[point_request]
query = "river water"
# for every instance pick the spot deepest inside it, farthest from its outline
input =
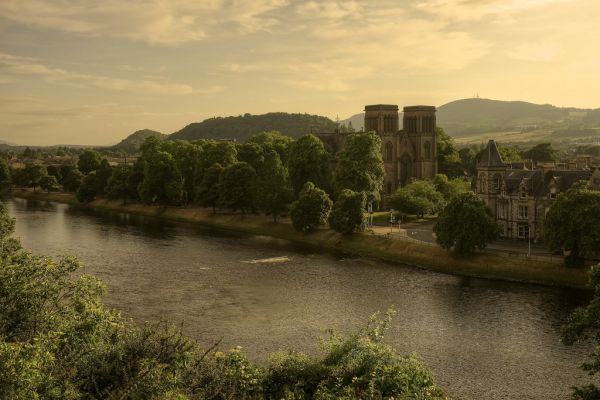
(482, 339)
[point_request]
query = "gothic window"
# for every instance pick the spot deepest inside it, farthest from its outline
(497, 182)
(482, 183)
(389, 151)
(427, 151)
(405, 169)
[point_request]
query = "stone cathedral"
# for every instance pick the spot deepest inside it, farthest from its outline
(407, 153)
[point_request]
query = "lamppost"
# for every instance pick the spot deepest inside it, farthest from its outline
(392, 219)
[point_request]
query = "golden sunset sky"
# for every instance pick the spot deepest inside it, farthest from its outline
(94, 71)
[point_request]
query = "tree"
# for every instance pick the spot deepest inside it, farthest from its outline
(33, 174)
(72, 181)
(187, 157)
(450, 188)
(89, 161)
(49, 183)
(448, 160)
(510, 154)
(466, 224)
(572, 224)
(54, 171)
(308, 161)
(541, 152)
(348, 210)
(583, 325)
(237, 185)
(119, 185)
(273, 140)
(419, 197)
(311, 209)
(5, 178)
(88, 190)
(360, 166)
(251, 153)
(273, 190)
(64, 171)
(207, 193)
(162, 182)
(103, 173)
(468, 160)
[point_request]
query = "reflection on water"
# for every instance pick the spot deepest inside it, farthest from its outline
(483, 339)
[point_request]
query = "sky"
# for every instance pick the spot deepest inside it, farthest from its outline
(94, 71)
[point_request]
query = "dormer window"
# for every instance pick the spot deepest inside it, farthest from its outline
(553, 193)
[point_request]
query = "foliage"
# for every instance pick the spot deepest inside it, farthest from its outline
(251, 153)
(510, 154)
(419, 197)
(450, 188)
(88, 190)
(308, 161)
(119, 185)
(224, 153)
(583, 326)
(64, 171)
(32, 175)
(468, 160)
(244, 126)
(273, 140)
(360, 166)
(49, 183)
(311, 209)
(5, 178)
(449, 162)
(89, 161)
(348, 210)
(72, 180)
(541, 152)
(466, 224)
(572, 224)
(237, 185)
(55, 172)
(186, 156)
(207, 193)
(103, 173)
(273, 190)
(162, 182)
(132, 143)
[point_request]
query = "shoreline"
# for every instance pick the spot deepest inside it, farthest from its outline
(429, 257)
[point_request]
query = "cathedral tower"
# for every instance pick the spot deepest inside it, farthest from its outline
(420, 126)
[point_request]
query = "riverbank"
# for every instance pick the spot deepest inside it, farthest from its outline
(368, 245)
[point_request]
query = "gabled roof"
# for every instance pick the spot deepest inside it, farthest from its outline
(490, 156)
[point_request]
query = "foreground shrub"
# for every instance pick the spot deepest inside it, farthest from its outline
(58, 341)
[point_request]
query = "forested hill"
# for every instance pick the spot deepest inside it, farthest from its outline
(486, 114)
(132, 143)
(243, 126)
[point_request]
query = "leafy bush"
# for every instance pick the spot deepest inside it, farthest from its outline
(311, 209)
(347, 212)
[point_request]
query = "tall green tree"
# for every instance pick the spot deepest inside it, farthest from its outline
(572, 224)
(49, 183)
(72, 180)
(187, 156)
(33, 174)
(237, 187)
(449, 162)
(251, 153)
(103, 173)
(119, 185)
(347, 213)
(465, 225)
(584, 326)
(89, 161)
(308, 162)
(162, 182)
(468, 160)
(450, 188)
(273, 140)
(88, 190)
(311, 209)
(419, 197)
(541, 152)
(510, 154)
(207, 192)
(273, 190)
(5, 178)
(360, 166)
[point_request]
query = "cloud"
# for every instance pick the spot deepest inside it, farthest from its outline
(16, 65)
(542, 51)
(157, 22)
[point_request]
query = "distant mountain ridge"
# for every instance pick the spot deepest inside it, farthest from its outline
(133, 142)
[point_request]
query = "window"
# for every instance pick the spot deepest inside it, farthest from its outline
(523, 231)
(389, 151)
(482, 183)
(497, 182)
(553, 193)
(427, 151)
(523, 192)
(523, 212)
(501, 212)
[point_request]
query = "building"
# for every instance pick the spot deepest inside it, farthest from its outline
(407, 153)
(519, 198)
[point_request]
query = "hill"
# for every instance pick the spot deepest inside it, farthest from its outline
(244, 126)
(132, 143)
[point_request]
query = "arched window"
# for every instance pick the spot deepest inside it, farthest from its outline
(482, 183)
(497, 182)
(427, 151)
(405, 169)
(389, 151)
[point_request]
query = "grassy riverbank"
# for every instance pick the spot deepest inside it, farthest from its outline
(375, 246)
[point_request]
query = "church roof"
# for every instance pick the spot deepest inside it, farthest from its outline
(490, 156)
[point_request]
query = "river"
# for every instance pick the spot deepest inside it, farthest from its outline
(482, 339)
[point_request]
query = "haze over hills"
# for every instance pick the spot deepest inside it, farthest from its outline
(133, 142)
